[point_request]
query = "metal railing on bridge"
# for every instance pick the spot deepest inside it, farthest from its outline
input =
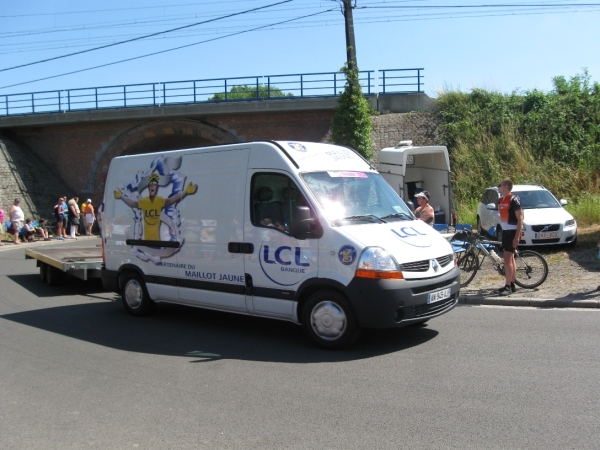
(215, 90)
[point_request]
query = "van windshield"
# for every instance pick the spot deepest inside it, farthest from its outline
(356, 197)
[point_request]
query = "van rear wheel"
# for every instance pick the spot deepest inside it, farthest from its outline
(135, 295)
(329, 320)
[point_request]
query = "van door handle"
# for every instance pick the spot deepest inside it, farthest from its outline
(240, 247)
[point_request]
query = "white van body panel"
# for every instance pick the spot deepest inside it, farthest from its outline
(424, 167)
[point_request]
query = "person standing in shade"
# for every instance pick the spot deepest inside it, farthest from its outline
(511, 220)
(82, 223)
(65, 217)
(73, 217)
(16, 219)
(89, 217)
(1, 225)
(59, 215)
(425, 211)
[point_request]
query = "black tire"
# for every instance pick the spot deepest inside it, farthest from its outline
(53, 276)
(43, 272)
(532, 269)
(468, 265)
(135, 296)
(329, 320)
(479, 229)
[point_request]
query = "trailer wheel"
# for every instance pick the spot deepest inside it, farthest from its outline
(53, 275)
(135, 295)
(43, 272)
(329, 320)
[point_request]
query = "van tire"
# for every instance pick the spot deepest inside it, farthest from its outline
(329, 320)
(135, 295)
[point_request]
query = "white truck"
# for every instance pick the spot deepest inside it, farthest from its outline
(296, 231)
(411, 169)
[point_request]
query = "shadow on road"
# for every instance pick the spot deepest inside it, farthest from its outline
(69, 286)
(198, 334)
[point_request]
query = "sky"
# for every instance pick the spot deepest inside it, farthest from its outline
(498, 45)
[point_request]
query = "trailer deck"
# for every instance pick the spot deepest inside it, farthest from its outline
(81, 262)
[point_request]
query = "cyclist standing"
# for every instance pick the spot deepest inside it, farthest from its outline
(511, 218)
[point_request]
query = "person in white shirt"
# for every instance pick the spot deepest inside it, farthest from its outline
(16, 219)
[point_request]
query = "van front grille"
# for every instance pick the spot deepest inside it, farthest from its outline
(417, 266)
(445, 260)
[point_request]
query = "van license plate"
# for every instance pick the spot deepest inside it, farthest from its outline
(547, 235)
(439, 295)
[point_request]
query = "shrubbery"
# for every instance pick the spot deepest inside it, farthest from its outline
(532, 137)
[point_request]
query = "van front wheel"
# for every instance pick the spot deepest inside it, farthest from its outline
(135, 295)
(329, 320)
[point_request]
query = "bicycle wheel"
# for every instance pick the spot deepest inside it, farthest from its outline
(468, 265)
(532, 269)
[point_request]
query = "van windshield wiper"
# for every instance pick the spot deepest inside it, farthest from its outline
(403, 216)
(362, 217)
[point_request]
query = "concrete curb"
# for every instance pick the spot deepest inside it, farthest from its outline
(531, 302)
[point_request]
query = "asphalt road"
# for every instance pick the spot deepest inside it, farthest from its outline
(77, 372)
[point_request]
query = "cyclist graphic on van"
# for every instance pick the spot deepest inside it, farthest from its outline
(152, 211)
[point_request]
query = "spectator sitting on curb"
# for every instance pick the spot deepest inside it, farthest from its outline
(28, 230)
(41, 229)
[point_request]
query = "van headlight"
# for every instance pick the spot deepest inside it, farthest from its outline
(377, 263)
(570, 223)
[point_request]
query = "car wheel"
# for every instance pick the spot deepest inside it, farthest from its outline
(479, 227)
(329, 320)
(135, 295)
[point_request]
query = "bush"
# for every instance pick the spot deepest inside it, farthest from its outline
(351, 124)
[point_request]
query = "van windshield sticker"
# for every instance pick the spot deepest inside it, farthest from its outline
(333, 174)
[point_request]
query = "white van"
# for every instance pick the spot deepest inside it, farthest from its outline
(411, 169)
(297, 231)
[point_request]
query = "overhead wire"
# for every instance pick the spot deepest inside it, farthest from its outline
(163, 51)
(143, 37)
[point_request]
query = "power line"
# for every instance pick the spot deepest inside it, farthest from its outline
(144, 37)
(165, 51)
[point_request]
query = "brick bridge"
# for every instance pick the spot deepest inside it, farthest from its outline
(43, 156)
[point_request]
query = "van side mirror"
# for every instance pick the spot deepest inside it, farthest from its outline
(491, 206)
(302, 223)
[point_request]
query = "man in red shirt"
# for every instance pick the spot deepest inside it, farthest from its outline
(511, 219)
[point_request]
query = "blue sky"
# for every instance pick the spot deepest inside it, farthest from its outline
(469, 46)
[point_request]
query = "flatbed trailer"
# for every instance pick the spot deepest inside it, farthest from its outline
(81, 262)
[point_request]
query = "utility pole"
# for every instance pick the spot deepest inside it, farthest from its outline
(350, 44)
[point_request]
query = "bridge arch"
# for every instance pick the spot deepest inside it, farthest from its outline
(160, 135)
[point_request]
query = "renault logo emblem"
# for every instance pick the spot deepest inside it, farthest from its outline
(435, 266)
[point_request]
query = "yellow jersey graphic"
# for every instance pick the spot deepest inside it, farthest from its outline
(151, 209)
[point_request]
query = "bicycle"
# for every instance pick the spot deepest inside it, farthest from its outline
(532, 268)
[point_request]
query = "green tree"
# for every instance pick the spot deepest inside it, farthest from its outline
(245, 92)
(351, 124)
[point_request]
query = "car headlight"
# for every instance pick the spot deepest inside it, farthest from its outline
(377, 263)
(570, 223)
